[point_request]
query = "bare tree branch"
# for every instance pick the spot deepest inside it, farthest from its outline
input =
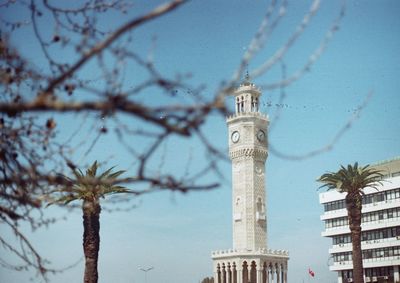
(157, 12)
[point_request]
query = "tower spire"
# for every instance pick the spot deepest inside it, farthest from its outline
(247, 76)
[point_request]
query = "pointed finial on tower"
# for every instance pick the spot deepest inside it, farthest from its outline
(247, 76)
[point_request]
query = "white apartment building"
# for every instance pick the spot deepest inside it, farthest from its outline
(380, 229)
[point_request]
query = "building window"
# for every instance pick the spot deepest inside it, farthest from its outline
(369, 254)
(346, 274)
(366, 217)
(381, 253)
(334, 205)
(367, 199)
(379, 271)
(381, 215)
(342, 239)
(340, 257)
(337, 222)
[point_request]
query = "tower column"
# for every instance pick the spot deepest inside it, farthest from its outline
(278, 274)
(216, 277)
(240, 276)
(229, 274)
(217, 274)
(234, 273)
(272, 274)
(223, 273)
(259, 275)
(285, 275)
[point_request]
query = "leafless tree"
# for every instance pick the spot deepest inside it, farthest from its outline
(36, 94)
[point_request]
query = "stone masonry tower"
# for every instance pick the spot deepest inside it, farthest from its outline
(248, 152)
(250, 261)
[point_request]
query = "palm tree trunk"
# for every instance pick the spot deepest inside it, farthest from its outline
(353, 205)
(91, 239)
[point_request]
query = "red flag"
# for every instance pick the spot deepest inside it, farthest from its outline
(311, 272)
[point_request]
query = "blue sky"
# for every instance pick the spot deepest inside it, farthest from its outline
(176, 233)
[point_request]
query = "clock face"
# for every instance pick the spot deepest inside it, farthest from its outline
(261, 135)
(235, 136)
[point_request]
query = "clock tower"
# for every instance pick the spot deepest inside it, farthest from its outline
(249, 261)
(248, 151)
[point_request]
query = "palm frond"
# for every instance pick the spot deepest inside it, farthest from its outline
(106, 173)
(92, 170)
(66, 199)
(351, 179)
(89, 186)
(116, 174)
(77, 173)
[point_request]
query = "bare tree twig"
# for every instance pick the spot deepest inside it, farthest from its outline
(159, 11)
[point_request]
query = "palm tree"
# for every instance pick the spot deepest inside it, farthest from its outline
(352, 180)
(89, 188)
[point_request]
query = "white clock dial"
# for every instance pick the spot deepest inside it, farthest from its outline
(261, 135)
(235, 136)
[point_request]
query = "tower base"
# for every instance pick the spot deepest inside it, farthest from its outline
(263, 266)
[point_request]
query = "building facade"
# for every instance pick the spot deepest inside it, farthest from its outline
(249, 261)
(380, 229)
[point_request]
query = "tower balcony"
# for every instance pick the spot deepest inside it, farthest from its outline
(246, 115)
(249, 252)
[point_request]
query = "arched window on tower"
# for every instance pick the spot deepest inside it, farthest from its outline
(256, 104)
(242, 105)
(237, 105)
(234, 273)
(260, 214)
(245, 274)
(238, 210)
(253, 272)
(265, 273)
(260, 205)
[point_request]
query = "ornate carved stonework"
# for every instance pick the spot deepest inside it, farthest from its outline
(255, 153)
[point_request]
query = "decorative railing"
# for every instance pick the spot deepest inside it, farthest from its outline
(257, 252)
(244, 114)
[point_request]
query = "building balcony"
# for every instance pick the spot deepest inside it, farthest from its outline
(387, 204)
(334, 214)
(376, 278)
(367, 263)
(334, 195)
(366, 245)
(366, 226)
